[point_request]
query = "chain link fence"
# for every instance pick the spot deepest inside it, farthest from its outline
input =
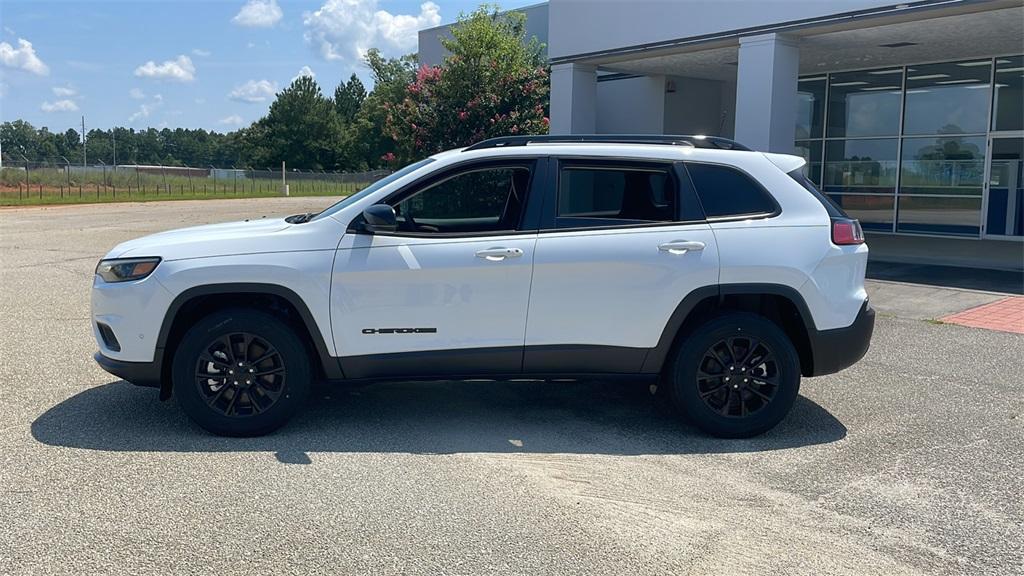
(26, 182)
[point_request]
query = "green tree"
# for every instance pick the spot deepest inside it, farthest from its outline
(366, 143)
(348, 99)
(493, 83)
(301, 127)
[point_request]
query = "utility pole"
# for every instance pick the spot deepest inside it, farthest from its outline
(83, 141)
(113, 139)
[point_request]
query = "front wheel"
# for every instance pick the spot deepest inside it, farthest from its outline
(240, 372)
(736, 376)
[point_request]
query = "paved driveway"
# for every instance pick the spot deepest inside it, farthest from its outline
(911, 462)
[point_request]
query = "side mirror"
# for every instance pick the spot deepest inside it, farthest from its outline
(380, 218)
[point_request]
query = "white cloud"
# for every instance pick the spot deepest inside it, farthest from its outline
(201, 53)
(59, 106)
(23, 58)
(346, 29)
(304, 71)
(146, 108)
(180, 69)
(258, 14)
(64, 91)
(253, 91)
(136, 94)
(233, 120)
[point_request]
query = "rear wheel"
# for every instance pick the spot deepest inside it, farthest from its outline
(241, 372)
(736, 376)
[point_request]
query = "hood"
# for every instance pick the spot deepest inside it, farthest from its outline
(251, 236)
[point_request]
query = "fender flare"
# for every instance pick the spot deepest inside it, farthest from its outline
(657, 356)
(331, 367)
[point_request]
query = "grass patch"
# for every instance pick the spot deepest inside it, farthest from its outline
(50, 197)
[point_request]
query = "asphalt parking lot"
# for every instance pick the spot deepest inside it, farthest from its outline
(911, 462)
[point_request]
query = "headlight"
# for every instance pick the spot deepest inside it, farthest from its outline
(125, 269)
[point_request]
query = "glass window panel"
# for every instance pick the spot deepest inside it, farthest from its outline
(950, 98)
(811, 152)
(861, 166)
(932, 215)
(1008, 102)
(1006, 188)
(954, 165)
(810, 94)
(474, 201)
(874, 212)
(616, 194)
(864, 103)
(725, 191)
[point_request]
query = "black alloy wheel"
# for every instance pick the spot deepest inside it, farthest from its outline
(735, 376)
(738, 376)
(240, 374)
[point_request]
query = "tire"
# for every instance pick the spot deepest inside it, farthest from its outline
(725, 394)
(259, 352)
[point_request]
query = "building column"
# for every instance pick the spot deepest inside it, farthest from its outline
(573, 99)
(766, 85)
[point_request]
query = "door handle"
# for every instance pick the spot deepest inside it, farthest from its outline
(681, 246)
(499, 254)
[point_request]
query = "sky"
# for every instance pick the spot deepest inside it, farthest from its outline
(212, 64)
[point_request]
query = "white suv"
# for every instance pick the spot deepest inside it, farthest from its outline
(718, 272)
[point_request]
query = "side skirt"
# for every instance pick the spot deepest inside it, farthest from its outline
(509, 362)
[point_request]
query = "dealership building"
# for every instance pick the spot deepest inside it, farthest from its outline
(910, 115)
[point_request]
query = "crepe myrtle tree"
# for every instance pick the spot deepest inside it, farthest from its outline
(494, 82)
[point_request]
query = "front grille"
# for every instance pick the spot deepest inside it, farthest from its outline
(109, 340)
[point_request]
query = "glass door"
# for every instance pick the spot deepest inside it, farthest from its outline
(1004, 187)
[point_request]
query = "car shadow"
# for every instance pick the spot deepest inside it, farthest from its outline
(426, 418)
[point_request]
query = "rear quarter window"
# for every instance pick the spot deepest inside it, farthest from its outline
(726, 192)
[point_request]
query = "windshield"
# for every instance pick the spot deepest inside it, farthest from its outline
(348, 200)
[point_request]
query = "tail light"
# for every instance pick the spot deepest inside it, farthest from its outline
(846, 232)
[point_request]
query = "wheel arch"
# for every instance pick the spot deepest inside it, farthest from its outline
(283, 302)
(779, 303)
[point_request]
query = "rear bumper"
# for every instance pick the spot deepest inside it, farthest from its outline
(834, 350)
(138, 373)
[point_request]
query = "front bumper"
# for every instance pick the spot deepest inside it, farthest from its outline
(138, 373)
(834, 350)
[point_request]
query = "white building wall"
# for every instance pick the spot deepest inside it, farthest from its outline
(584, 26)
(631, 106)
(699, 106)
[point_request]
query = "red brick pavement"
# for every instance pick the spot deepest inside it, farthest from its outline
(1006, 315)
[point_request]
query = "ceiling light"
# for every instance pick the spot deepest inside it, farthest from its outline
(894, 71)
(881, 88)
(980, 63)
(928, 77)
(812, 79)
(857, 83)
(964, 81)
(976, 86)
(1009, 69)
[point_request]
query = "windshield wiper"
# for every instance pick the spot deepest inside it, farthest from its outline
(300, 218)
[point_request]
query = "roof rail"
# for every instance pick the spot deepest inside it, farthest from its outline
(698, 141)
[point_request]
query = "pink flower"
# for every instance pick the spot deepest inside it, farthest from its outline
(545, 120)
(463, 115)
(389, 157)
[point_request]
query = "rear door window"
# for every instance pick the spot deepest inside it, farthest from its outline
(596, 195)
